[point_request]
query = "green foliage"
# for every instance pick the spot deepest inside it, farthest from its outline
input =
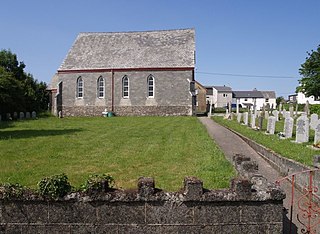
(280, 100)
(11, 191)
(315, 108)
(310, 71)
(98, 183)
(19, 91)
(54, 186)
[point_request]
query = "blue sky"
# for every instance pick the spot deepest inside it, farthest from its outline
(248, 37)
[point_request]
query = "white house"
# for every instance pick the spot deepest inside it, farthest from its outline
(254, 99)
(219, 96)
(300, 98)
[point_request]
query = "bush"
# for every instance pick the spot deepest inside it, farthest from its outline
(9, 191)
(55, 186)
(315, 108)
(98, 183)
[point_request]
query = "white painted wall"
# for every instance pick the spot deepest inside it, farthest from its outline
(302, 99)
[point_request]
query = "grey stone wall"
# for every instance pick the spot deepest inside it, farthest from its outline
(172, 93)
(240, 209)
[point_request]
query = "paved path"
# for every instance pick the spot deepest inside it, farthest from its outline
(232, 144)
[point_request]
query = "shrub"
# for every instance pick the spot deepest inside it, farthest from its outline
(9, 191)
(55, 186)
(98, 183)
(315, 108)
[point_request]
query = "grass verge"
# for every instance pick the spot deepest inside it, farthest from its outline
(286, 148)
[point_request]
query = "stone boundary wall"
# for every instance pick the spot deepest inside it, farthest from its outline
(284, 165)
(247, 206)
(128, 110)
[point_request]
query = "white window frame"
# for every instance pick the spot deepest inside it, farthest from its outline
(125, 93)
(80, 87)
(100, 87)
(151, 77)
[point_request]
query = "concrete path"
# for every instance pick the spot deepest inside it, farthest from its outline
(232, 144)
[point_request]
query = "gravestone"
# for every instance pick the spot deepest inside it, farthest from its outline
(253, 121)
(34, 114)
(306, 108)
(302, 129)
(313, 121)
(317, 134)
(21, 115)
(15, 115)
(276, 114)
(8, 116)
(288, 127)
(266, 115)
(288, 115)
(260, 122)
(271, 124)
(245, 118)
(27, 115)
(239, 115)
(291, 111)
(284, 113)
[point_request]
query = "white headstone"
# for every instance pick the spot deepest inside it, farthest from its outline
(21, 115)
(291, 111)
(317, 133)
(34, 114)
(288, 127)
(253, 121)
(27, 115)
(239, 115)
(276, 114)
(284, 113)
(313, 121)
(271, 124)
(302, 129)
(245, 118)
(266, 115)
(287, 115)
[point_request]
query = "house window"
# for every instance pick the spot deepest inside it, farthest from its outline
(80, 87)
(125, 87)
(150, 86)
(267, 99)
(100, 87)
(225, 95)
(246, 99)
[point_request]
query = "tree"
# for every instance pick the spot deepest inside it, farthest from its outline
(280, 100)
(19, 91)
(310, 71)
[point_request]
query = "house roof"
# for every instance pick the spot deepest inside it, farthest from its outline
(120, 50)
(247, 94)
(223, 88)
(268, 94)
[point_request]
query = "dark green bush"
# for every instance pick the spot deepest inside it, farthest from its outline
(98, 183)
(315, 108)
(9, 191)
(54, 186)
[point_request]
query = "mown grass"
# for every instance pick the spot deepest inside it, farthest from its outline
(166, 148)
(285, 147)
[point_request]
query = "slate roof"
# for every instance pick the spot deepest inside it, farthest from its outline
(223, 88)
(247, 94)
(121, 50)
(268, 94)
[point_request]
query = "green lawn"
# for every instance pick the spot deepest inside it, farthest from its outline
(166, 148)
(286, 148)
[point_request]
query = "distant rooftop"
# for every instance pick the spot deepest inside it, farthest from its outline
(253, 94)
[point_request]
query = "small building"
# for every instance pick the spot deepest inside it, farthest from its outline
(219, 96)
(201, 103)
(128, 73)
(301, 98)
(254, 99)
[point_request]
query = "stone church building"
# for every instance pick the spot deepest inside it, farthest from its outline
(127, 73)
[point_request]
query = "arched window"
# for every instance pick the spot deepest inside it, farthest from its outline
(150, 81)
(100, 87)
(125, 87)
(80, 87)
